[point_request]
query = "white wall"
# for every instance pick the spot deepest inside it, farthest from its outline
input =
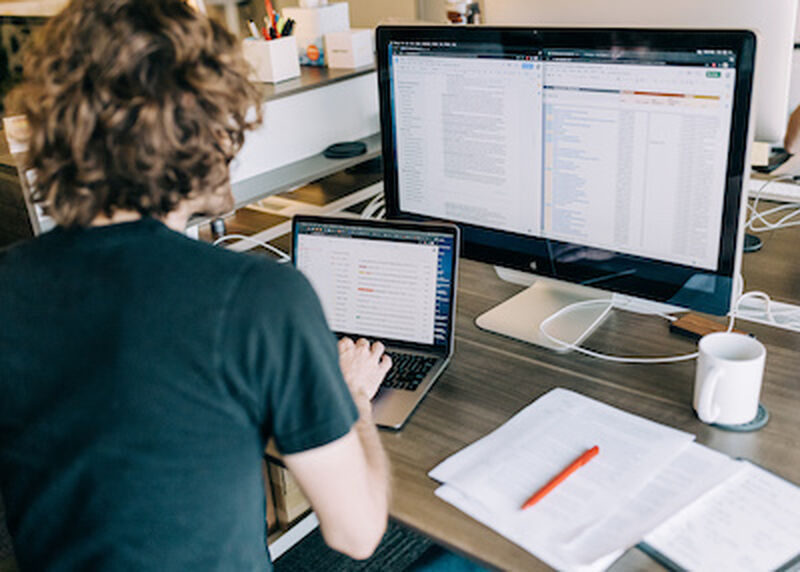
(368, 13)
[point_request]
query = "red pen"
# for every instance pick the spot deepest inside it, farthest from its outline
(270, 16)
(561, 477)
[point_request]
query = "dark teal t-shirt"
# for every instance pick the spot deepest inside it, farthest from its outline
(141, 373)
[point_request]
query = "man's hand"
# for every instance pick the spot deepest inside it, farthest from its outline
(364, 366)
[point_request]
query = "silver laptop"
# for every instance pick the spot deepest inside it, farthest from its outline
(389, 281)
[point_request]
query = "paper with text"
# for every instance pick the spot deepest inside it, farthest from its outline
(500, 471)
(695, 471)
(749, 523)
(526, 539)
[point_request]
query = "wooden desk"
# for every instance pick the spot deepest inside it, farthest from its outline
(491, 378)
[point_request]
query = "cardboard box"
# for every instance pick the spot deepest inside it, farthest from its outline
(290, 503)
(311, 25)
(272, 61)
(350, 49)
(272, 520)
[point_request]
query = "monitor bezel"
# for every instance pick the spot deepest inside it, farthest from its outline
(480, 243)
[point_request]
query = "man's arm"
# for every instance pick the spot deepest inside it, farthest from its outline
(347, 480)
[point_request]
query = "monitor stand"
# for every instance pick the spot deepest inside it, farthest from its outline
(519, 316)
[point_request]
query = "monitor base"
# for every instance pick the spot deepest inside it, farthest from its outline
(519, 317)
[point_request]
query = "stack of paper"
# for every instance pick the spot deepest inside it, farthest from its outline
(645, 473)
(749, 523)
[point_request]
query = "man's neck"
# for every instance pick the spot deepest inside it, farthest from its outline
(118, 217)
(175, 219)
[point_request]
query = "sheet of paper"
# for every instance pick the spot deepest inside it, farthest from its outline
(500, 471)
(694, 472)
(749, 523)
(528, 451)
(530, 541)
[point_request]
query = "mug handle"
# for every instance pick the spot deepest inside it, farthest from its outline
(707, 410)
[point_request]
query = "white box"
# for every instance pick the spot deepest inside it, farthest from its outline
(272, 61)
(320, 20)
(311, 25)
(350, 49)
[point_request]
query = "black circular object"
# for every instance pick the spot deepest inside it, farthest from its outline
(751, 243)
(345, 150)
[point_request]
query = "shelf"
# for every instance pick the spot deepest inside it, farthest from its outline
(294, 175)
(32, 8)
(280, 542)
(311, 78)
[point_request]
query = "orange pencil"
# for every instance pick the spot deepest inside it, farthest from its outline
(561, 477)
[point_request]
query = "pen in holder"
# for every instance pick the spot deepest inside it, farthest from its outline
(274, 60)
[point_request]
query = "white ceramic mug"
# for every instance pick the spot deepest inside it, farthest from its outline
(727, 381)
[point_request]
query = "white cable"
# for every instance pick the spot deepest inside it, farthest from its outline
(781, 223)
(374, 207)
(283, 256)
(767, 183)
(618, 359)
(630, 304)
(776, 314)
(750, 224)
(763, 296)
(772, 313)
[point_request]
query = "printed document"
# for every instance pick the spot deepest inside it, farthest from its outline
(749, 523)
(695, 507)
(492, 478)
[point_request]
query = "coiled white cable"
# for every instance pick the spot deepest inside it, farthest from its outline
(617, 359)
(766, 225)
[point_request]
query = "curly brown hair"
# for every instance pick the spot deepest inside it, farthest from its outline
(133, 105)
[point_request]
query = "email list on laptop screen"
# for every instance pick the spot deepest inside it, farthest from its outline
(380, 282)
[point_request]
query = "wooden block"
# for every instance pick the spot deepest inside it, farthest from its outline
(695, 326)
(290, 503)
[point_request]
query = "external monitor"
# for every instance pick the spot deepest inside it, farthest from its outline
(773, 20)
(610, 159)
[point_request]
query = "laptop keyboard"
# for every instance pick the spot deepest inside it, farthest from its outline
(408, 370)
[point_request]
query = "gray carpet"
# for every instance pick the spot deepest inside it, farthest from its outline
(399, 550)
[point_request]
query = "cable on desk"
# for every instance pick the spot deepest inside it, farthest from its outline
(771, 313)
(283, 257)
(624, 359)
(617, 359)
(755, 215)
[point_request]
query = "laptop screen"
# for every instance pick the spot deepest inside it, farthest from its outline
(388, 281)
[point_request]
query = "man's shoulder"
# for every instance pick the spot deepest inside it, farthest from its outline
(150, 247)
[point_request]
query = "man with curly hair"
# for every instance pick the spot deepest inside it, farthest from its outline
(142, 372)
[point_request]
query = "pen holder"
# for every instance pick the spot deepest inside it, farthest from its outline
(272, 61)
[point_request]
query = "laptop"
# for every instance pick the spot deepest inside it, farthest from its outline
(393, 282)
